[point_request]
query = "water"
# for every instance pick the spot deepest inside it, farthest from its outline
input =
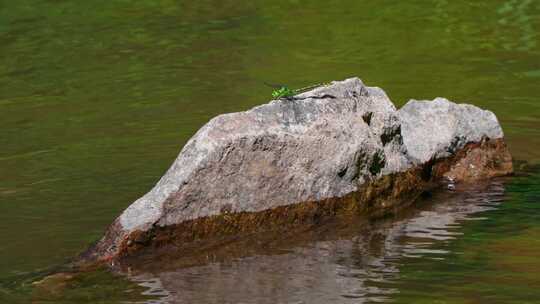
(98, 97)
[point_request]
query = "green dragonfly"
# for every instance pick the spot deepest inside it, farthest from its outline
(284, 92)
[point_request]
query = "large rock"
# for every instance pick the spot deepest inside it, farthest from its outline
(339, 147)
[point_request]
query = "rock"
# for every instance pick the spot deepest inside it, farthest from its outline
(52, 286)
(438, 129)
(336, 148)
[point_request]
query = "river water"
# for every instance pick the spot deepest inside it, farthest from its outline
(97, 98)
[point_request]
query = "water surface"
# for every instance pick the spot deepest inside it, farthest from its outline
(97, 98)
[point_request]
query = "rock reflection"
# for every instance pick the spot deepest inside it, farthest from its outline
(352, 262)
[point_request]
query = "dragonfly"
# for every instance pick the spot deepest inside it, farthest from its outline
(285, 92)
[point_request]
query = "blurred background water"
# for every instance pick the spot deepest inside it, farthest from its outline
(98, 97)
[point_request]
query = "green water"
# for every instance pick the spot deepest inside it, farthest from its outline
(98, 97)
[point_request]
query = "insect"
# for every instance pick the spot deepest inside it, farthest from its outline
(284, 92)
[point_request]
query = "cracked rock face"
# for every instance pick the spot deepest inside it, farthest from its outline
(324, 144)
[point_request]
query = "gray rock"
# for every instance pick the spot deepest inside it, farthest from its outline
(323, 144)
(314, 147)
(438, 128)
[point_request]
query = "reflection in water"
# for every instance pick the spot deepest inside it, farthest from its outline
(352, 265)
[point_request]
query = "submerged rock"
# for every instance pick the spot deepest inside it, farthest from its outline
(335, 149)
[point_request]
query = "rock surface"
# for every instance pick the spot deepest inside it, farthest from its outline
(344, 143)
(437, 129)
